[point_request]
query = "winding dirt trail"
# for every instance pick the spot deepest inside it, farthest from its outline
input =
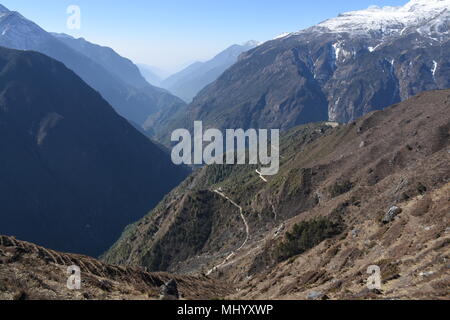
(247, 231)
(261, 176)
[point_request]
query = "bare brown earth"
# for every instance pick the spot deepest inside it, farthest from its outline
(352, 174)
(413, 253)
(31, 272)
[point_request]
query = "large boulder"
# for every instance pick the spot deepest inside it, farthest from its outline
(391, 214)
(317, 295)
(169, 291)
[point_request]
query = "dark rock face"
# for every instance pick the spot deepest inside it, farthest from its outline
(399, 69)
(74, 173)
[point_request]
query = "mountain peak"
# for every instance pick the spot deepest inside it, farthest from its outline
(251, 43)
(18, 32)
(3, 9)
(425, 15)
(282, 35)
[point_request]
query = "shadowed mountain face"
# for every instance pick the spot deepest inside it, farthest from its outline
(116, 78)
(74, 173)
(338, 70)
(191, 80)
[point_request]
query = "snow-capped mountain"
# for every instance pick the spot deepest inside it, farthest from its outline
(19, 33)
(423, 16)
(338, 70)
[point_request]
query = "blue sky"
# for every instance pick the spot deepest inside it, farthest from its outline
(172, 33)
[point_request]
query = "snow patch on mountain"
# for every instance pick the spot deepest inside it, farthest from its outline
(283, 35)
(337, 50)
(433, 70)
(252, 43)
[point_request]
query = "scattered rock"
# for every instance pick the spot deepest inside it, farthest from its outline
(20, 296)
(377, 292)
(368, 294)
(355, 233)
(332, 124)
(402, 184)
(426, 274)
(362, 144)
(87, 296)
(317, 295)
(391, 214)
(421, 188)
(169, 291)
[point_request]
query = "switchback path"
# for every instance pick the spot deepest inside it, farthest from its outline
(247, 231)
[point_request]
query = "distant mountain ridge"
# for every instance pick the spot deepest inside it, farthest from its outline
(191, 80)
(151, 74)
(119, 66)
(115, 77)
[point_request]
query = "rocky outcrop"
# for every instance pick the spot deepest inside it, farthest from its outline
(169, 291)
(391, 214)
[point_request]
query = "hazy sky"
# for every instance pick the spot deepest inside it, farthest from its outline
(172, 33)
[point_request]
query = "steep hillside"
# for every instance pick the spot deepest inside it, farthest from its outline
(30, 272)
(74, 173)
(318, 223)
